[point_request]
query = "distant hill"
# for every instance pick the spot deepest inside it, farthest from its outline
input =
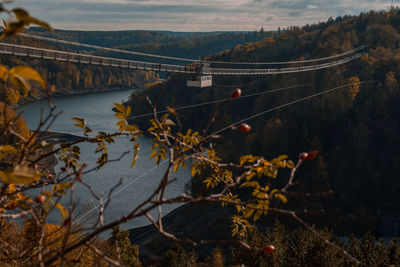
(81, 78)
(357, 133)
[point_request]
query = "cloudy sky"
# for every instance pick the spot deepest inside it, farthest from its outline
(192, 15)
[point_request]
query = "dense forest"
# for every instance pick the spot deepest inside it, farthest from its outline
(355, 132)
(72, 78)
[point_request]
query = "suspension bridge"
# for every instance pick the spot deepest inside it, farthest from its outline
(203, 69)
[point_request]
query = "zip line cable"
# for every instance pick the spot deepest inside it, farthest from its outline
(84, 215)
(79, 218)
(219, 101)
(185, 59)
(287, 104)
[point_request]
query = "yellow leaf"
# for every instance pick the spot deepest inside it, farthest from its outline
(176, 167)
(153, 154)
(28, 73)
(20, 13)
(281, 197)
(20, 175)
(257, 215)
(171, 110)
(136, 155)
(64, 211)
(282, 157)
(13, 96)
(11, 188)
(248, 213)
(19, 82)
(119, 107)
(6, 150)
(81, 123)
(45, 25)
(3, 72)
(119, 115)
(290, 164)
(169, 122)
(128, 112)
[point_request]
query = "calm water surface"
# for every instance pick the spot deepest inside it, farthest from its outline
(138, 182)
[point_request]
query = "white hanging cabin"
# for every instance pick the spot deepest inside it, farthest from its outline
(201, 80)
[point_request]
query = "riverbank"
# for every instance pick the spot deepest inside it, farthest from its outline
(66, 92)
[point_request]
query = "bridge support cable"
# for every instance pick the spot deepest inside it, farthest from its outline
(77, 44)
(72, 57)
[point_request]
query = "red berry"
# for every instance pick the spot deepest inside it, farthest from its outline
(244, 128)
(237, 93)
(40, 199)
(303, 156)
(74, 260)
(269, 249)
(67, 222)
(63, 169)
(312, 155)
(79, 178)
(35, 166)
(50, 176)
(11, 206)
(6, 252)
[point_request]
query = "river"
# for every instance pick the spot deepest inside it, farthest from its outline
(138, 182)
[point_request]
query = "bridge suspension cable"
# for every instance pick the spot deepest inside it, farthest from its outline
(186, 59)
(34, 52)
(103, 48)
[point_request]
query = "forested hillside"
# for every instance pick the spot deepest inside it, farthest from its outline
(73, 78)
(356, 132)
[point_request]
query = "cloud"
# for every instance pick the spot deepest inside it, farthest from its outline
(185, 15)
(271, 18)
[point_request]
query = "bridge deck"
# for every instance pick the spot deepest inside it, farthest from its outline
(41, 53)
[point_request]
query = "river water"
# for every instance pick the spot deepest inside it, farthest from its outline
(138, 182)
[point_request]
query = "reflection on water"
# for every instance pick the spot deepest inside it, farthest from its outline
(138, 182)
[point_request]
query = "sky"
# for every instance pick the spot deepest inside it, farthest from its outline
(192, 15)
